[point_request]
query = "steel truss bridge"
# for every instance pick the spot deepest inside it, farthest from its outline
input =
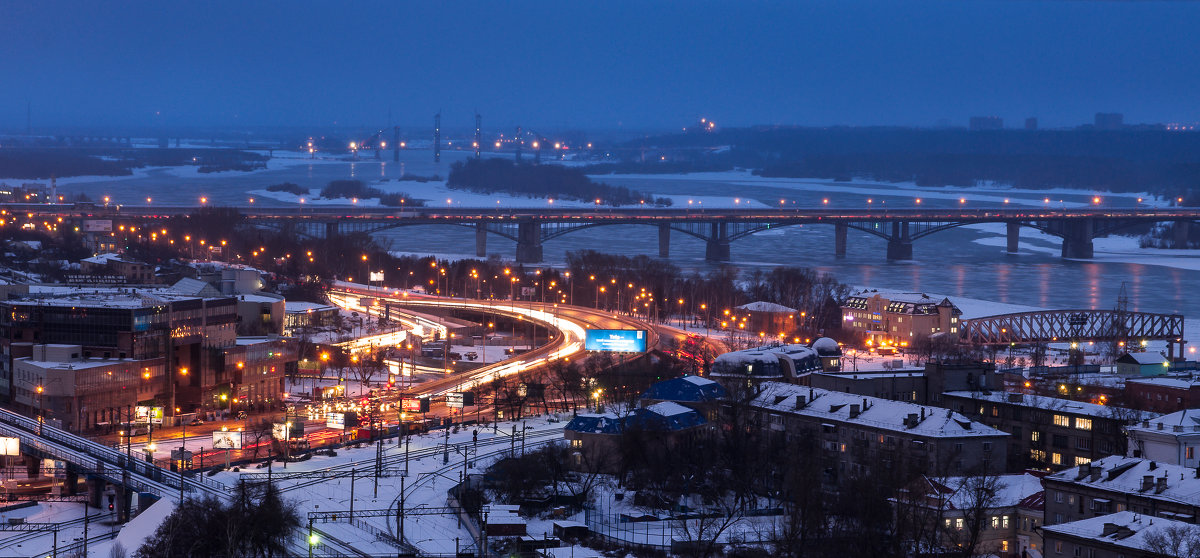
(1073, 325)
(531, 228)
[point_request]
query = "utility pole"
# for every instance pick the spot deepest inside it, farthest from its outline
(478, 136)
(396, 144)
(400, 511)
(437, 137)
(517, 141)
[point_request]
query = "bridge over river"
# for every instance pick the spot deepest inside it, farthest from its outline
(718, 228)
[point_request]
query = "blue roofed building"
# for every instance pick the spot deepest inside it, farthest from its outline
(702, 394)
(595, 437)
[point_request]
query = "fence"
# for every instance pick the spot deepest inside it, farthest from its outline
(674, 532)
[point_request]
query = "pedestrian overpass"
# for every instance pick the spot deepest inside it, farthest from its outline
(103, 466)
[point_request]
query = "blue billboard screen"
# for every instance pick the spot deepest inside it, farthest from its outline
(616, 340)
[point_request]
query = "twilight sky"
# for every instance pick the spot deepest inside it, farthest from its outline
(596, 65)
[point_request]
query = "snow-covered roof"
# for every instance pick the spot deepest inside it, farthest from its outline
(1053, 404)
(668, 408)
(194, 287)
(1187, 420)
(100, 297)
(734, 363)
(826, 347)
(688, 388)
(762, 306)
(661, 417)
(259, 298)
(1178, 382)
(1124, 475)
(1124, 529)
(1143, 358)
(1010, 490)
(102, 259)
(298, 306)
(835, 406)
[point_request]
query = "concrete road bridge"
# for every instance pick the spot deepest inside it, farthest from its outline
(718, 228)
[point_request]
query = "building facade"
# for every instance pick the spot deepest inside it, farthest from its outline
(1117, 484)
(893, 320)
(1048, 432)
(1173, 438)
(185, 332)
(859, 436)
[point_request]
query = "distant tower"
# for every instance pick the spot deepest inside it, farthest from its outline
(437, 138)
(518, 142)
(396, 144)
(478, 137)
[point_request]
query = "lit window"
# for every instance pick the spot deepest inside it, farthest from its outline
(1083, 423)
(1062, 420)
(1056, 458)
(1082, 461)
(1190, 452)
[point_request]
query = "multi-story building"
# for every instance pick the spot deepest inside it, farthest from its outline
(1173, 438)
(1002, 513)
(1164, 394)
(916, 385)
(1118, 535)
(132, 324)
(251, 374)
(898, 319)
(861, 435)
(1048, 432)
(1117, 484)
(56, 382)
(116, 265)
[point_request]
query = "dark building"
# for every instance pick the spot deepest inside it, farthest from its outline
(978, 123)
(1047, 432)
(1117, 484)
(1109, 121)
(123, 324)
(860, 435)
(1031, 123)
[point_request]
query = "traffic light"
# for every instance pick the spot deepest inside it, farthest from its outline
(424, 404)
(112, 498)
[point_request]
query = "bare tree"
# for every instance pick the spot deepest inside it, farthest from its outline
(1174, 541)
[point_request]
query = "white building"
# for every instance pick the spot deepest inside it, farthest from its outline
(1173, 438)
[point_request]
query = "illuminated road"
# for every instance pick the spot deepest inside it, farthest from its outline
(569, 324)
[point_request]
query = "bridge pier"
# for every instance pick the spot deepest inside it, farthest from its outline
(529, 242)
(95, 491)
(664, 241)
(1181, 230)
(839, 239)
(717, 245)
(1014, 236)
(1077, 239)
(331, 230)
(480, 240)
(900, 243)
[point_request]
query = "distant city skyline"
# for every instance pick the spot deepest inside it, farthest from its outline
(612, 66)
